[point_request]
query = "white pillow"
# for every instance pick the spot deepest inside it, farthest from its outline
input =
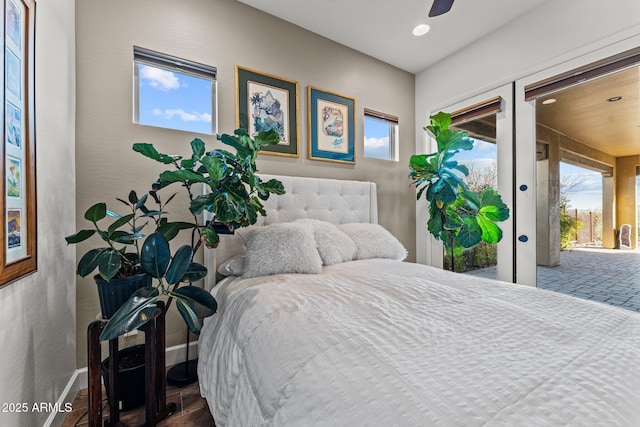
(373, 241)
(234, 266)
(334, 246)
(287, 247)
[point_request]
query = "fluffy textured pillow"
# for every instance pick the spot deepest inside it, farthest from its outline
(373, 241)
(234, 266)
(281, 248)
(334, 246)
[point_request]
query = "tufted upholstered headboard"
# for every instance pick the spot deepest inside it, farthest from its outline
(330, 200)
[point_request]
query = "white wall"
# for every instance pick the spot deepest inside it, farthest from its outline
(38, 332)
(551, 36)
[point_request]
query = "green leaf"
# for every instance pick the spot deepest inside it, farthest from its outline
(470, 235)
(179, 264)
(194, 302)
(491, 233)
(211, 238)
(199, 203)
(140, 203)
(89, 261)
(197, 146)
(169, 177)
(96, 212)
(133, 197)
(80, 236)
(273, 186)
(149, 150)
(119, 223)
(109, 263)
(195, 272)
(169, 230)
(134, 313)
(269, 137)
(155, 255)
(214, 166)
(492, 205)
(187, 164)
(127, 238)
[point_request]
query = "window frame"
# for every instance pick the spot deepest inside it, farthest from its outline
(393, 125)
(142, 56)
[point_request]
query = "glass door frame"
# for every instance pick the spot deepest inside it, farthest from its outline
(525, 160)
(429, 250)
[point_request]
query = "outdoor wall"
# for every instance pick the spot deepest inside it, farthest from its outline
(627, 202)
(221, 33)
(38, 332)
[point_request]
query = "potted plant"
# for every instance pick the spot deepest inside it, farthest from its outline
(458, 217)
(235, 199)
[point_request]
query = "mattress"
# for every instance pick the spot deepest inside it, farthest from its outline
(387, 343)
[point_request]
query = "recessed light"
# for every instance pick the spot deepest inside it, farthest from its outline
(421, 30)
(549, 101)
(615, 98)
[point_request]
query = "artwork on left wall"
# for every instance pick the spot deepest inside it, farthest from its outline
(18, 148)
(267, 102)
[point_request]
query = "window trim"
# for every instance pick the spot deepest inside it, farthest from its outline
(392, 121)
(142, 56)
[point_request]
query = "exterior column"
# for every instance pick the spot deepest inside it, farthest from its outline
(548, 208)
(608, 212)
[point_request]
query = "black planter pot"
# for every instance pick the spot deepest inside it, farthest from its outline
(131, 381)
(115, 292)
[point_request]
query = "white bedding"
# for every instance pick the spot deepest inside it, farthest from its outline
(387, 343)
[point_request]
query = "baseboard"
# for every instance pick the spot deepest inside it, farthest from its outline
(80, 379)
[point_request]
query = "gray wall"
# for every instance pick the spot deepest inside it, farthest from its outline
(221, 33)
(38, 333)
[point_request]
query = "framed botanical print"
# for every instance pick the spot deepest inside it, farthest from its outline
(266, 102)
(331, 126)
(18, 144)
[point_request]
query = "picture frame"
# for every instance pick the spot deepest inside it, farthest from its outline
(265, 101)
(19, 235)
(331, 126)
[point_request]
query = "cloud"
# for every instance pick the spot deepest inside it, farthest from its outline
(159, 79)
(183, 115)
(480, 145)
(374, 143)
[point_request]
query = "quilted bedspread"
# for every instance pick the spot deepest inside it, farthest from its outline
(388, 343)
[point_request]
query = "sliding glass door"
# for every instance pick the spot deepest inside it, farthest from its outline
(488, 118)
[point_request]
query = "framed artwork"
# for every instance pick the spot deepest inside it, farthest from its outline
(265, 102)
(18, 148)
(331, 126)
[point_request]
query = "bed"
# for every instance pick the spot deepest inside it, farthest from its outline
(377, 341)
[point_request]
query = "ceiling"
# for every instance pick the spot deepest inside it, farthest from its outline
(383, 28)
(583, 113)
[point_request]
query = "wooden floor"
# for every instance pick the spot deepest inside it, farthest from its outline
(192, 409)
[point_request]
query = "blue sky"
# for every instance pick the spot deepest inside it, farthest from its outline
(174, 100)
(376, 139)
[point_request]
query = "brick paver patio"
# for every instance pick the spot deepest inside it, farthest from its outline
(610, 276)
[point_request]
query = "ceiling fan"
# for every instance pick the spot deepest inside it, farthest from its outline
(440, 7)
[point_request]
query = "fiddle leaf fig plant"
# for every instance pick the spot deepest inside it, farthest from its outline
(458, 217)
(235, 194)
